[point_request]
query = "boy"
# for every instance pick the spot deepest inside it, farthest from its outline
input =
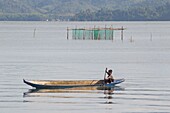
(109, 78)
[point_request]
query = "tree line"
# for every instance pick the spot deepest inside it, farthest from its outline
(84, 10)
(161, 13)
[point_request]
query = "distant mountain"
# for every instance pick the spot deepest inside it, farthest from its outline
(96, 10)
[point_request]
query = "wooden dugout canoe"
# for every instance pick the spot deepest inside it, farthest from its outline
(61, 84)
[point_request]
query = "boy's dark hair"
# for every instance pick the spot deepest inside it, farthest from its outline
(110, 71)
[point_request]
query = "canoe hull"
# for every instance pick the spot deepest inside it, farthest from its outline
(59, 84)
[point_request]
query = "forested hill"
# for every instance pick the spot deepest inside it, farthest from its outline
(84, 10)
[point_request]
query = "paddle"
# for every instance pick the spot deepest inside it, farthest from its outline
(105, 75)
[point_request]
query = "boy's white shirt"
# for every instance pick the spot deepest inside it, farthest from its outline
(111, 77)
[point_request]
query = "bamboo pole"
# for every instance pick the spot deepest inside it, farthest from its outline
(122, 33)
(112, 33)
(84, 35)
(34, 33)
(75, 32)
(105, 32)
(92, 34)
(67, 33)
(150, 36)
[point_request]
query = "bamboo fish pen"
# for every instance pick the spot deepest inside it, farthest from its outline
(94, 33)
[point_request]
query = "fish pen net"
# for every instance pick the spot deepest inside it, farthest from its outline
(92, 34)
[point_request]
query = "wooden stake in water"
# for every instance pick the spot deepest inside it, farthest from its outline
(105, 32)
(67, 33)
(112, 33)
(122, 33)
(151, 37)
(34, 33)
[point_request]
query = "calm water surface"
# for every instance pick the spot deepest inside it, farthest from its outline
(143, 59)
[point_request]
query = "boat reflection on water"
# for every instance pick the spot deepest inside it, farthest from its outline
(61, 90)
(109, 95)
(40, 92)
(103, 95)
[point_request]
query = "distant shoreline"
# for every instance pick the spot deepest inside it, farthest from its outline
(90, 21)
